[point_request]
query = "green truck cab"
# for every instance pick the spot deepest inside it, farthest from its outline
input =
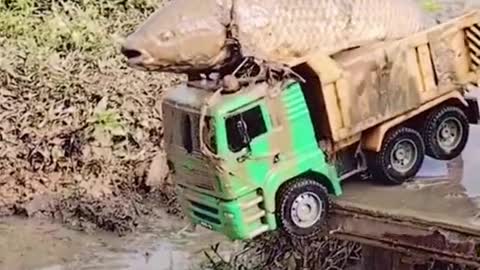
(271, 153)
(258, 144)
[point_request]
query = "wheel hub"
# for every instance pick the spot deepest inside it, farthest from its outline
(449, 133)
(404, 155)
(306, 209)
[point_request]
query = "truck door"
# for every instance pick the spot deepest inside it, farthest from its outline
(248, 141)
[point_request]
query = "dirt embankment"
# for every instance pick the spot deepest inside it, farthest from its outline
(78, 129)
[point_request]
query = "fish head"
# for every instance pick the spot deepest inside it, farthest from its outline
(183, 35)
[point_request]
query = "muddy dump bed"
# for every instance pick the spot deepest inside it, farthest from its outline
(437, 214)
(364, 87)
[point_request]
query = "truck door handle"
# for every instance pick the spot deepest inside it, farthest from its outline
(276, 158)
(241, 159)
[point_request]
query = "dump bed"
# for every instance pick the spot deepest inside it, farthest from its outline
(364, 87)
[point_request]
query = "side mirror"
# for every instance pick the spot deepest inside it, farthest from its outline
(242, 131)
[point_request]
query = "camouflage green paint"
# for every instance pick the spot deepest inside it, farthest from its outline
(304, 154)
(243, 202)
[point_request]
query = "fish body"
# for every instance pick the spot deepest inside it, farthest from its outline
(189, 35)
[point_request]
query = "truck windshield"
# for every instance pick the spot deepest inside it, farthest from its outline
(255, 125)
(209, 135)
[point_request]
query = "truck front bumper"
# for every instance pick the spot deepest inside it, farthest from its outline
(239, 219)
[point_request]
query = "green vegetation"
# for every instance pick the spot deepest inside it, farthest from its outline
(431, 5)
(90, 27)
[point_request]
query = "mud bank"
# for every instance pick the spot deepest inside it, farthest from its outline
(79, 131)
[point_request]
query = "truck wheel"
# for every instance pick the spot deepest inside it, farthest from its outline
(446, 133)
(400, 158)
(302, 207)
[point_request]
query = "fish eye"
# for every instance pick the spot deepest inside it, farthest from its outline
(166, 36)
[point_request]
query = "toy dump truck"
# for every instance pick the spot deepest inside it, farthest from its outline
(269, 155)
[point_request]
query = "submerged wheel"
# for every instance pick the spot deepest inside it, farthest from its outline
(446, 133)
(400, 158)
(302, 207)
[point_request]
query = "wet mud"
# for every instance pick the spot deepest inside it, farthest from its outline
(159, 244)
(80, 133)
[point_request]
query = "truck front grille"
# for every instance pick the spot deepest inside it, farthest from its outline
(205, 207)
(209, 211)
(205, 212)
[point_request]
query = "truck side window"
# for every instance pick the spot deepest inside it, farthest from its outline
(187, 134)
(209, 135)
(255, 127)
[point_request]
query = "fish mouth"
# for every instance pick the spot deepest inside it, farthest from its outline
(150, 64)
(141, 62)
(136, 59)
(157, 66)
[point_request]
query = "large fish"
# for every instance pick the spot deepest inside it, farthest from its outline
(192, 35)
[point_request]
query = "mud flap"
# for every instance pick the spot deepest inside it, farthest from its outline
(473, 111)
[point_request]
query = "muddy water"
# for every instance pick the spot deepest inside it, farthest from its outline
(160, 244)
(445, 193)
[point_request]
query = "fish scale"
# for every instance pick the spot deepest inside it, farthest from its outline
(191, 35)
(281, 30)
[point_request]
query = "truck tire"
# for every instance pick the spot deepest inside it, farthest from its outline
(302, 207)
(400, 158)
(446, 133)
